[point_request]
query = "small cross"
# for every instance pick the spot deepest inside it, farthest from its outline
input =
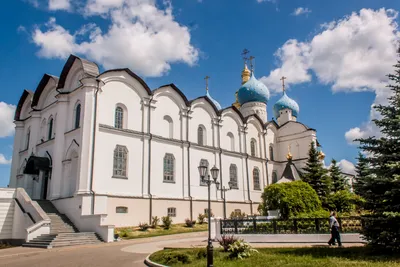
(206, 78)
(244, 54)
(251, 63)
(283, 82)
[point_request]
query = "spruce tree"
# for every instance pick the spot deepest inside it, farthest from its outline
(381, 183)
(338, 180)
(316, 175)
(361, 173)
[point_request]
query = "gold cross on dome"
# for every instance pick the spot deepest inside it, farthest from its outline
(206, 78)
(283, 82)
(251, 63)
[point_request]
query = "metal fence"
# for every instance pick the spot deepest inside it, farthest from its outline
(291, 226)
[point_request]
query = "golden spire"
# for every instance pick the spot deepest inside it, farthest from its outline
(246, 72)
(289, 155)
(283, 83)
(321, 155)
(206, 78)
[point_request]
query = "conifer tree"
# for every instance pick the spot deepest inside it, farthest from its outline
(338, 180)
(316, 175)
(361, 173)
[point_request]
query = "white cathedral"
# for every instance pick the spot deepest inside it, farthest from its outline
(106, 144)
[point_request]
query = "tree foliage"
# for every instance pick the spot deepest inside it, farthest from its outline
(338, 180)
(342, 201)
(290, 199)
(361, 173)
(316, 175)
(380, 181)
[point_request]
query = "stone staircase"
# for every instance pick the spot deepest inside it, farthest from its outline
(62, 231)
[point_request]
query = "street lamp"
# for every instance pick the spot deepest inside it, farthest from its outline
(224, 190)
(214, 173)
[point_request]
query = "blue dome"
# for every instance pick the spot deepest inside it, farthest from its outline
(253, 91)
(286, 102)
(214, 101)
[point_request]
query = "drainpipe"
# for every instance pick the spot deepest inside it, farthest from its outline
(149, 165)
(220, 156)
(266, 157)
(92, 192)
(188, 150)
(247, 173)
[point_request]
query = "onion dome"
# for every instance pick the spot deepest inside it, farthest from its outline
(213, 100)
(286, 102)
(253, 91)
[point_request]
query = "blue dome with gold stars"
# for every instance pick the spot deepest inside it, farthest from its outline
(286, 102)
(253, 91)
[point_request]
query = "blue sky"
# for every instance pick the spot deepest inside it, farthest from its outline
(335, 54)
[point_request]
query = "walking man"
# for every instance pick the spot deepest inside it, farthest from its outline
(334, 226)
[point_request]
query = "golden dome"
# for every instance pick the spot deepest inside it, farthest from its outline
(245, 74)
(289, 156)
(321, 155)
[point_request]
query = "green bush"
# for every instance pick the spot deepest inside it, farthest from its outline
(167, 221)
(382, 232)
(240, 250)
(143, 226)
(342, 201)
(290, 199)
(155, 221)
(313, 214)
(175, 257)
(201, 218)
(226, 240)
(189, 223)
(237, 215)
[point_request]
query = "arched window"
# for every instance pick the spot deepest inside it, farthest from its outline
(253, 144)
(50, 129)
(233, 176)
(204, 162)
(169, 164)
(274, 177)
(200, 135)
(119, 118)
(43, 131)
(232, 141)
(121, 209)
(28, 137)
(271, 153)
(77, 116)
(256, 179)
(170, 126)
(120, 160)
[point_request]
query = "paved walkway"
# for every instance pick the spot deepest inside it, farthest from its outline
(125, 253)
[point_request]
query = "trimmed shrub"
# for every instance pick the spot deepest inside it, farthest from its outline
(189, 223)
(167, 221)
(201, 218)
(226, 240)
(143, 226)
(237, 215)
(154, 222)
(290, 199)
(240, 250)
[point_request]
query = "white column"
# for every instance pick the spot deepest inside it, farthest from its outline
(19, 142)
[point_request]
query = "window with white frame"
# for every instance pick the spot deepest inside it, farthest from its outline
(119, 118)
(169, 165)
(233, 176)
(200, 135)
(274, 177)
(168, 119)
(50, 129)
(121, 210)
(120, 161)
(256, 179)
(171, 212)
(271, 152)
(253, 144)
(232, 141)
(28, 137)
(77, 116)
(204, 162)
(206, 212)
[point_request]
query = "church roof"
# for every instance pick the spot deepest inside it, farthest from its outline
(253, 91)
(291, 173)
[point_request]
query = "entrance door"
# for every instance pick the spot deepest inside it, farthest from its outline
(45, 184)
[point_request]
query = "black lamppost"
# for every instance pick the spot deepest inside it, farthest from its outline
(224, 190)
(214, 173)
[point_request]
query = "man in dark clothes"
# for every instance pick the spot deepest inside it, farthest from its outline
(334, 226)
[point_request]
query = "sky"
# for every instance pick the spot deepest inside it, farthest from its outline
(335, 54)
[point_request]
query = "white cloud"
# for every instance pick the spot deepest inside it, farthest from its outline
(352, 54)
(141, 36)
(6, 119)
(3, 160)
(272, 1)
(59, 4)
(34, 3)
(301, 11)
(347, 166)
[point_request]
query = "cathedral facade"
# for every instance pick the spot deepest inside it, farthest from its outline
(105, 143)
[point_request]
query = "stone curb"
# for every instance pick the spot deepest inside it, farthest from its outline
(149, 263)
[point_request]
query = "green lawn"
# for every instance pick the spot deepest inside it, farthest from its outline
(290, 257)
(134, 232)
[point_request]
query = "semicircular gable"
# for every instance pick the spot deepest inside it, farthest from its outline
(89, 69)
(173, 91)
(26, 96)
(234, 113)
(298, 124)
(256, 121)
(128, 77)
(46, 84)
(206, 104)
